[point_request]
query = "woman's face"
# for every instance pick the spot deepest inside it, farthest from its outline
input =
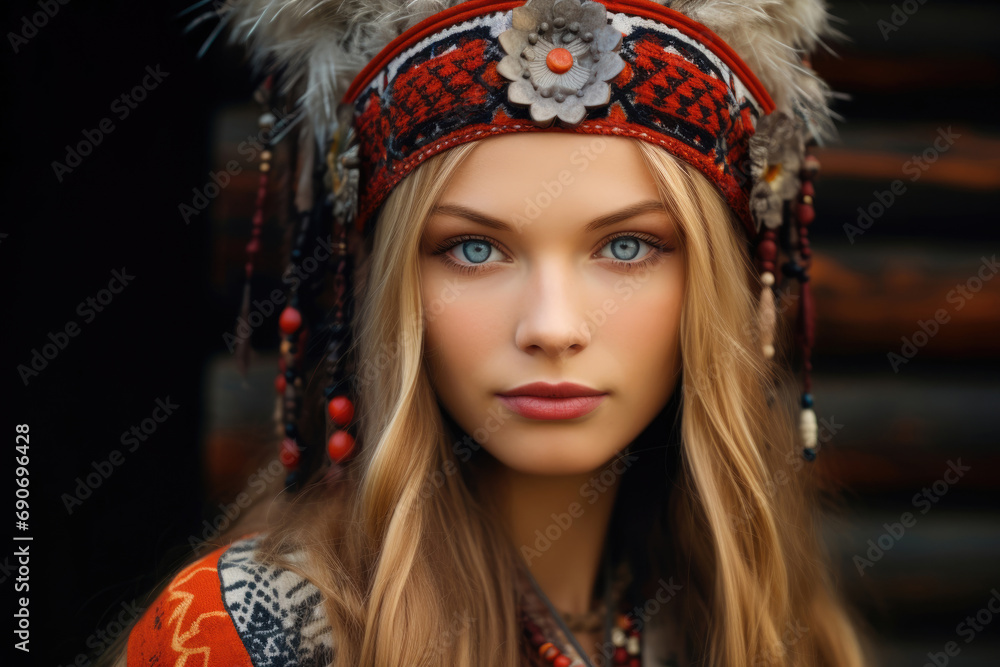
(550, 259)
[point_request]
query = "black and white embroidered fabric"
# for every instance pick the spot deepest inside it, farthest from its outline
(279, 615)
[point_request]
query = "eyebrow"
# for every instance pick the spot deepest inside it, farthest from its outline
(597, 223)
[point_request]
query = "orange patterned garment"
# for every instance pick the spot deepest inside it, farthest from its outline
(188, 625)
(235, 608)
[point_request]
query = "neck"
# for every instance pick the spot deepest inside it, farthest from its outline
(558, 524)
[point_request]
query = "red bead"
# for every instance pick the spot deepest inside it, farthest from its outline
(807, 189)
(806, 214)
(621, 655)
(341, 410)
(340, 446)
(289, 454)
(290, 320)
(767, 250)
(634, 662)
(562, 661)
(253, 246)
(280, 383)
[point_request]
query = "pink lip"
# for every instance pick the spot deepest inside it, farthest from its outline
(541, 400)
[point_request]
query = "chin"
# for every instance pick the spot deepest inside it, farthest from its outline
(546, 454)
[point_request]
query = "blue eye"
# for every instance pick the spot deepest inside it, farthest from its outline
(626, 247)
(476, 251)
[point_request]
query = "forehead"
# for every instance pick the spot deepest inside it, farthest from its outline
(553, 172)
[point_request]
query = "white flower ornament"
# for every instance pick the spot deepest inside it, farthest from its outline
(561, 53)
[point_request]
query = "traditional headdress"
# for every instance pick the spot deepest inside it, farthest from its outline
(378, 86)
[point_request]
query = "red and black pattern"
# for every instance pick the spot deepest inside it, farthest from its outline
(447, 92)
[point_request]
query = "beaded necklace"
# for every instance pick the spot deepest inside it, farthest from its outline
(624, 634)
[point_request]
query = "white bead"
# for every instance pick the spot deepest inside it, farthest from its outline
(617, 636)
(633, 645)
(767, 278)
(807, 425)
(769, 351)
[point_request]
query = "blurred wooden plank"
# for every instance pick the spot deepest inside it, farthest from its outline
(971, 163)
(890, 72)
(944, 555)
(868, 298)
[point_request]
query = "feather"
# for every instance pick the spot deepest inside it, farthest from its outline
(321, 45)
(772, 37)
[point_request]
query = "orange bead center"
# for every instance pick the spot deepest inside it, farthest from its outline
(559, 60)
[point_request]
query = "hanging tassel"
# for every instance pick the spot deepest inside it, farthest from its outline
(805, 215)
(767, 318)
(808, 428)
(766, 314)
(806, 310)
(266, 123)
(807, 420)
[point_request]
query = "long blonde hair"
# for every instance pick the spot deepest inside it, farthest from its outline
(413, 568)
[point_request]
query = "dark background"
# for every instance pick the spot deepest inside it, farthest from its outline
(162, 335)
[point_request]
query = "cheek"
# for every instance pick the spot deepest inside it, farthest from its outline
(644, 333)
(460, 330)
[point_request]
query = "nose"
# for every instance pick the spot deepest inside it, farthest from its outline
(552, 317)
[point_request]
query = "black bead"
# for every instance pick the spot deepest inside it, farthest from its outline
(809, 454)
(792, 270)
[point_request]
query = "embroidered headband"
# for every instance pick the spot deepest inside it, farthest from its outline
(378, 86)
(627, 68)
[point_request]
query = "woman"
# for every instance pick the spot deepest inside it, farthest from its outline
(572, 445)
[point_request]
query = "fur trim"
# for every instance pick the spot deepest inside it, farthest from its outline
(772, 37)
(320, 46)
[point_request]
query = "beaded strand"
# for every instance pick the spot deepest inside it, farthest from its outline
(625, 636)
